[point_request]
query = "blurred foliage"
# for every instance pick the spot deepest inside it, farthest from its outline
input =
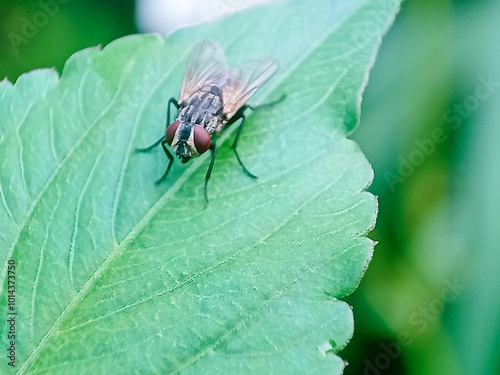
(44, 33)
(438, 215)
(432, 290)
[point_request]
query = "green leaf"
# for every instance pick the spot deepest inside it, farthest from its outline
(115, 274)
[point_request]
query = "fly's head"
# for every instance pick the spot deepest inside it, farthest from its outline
(187, 140)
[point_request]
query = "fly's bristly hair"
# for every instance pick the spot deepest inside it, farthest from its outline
(204, 108)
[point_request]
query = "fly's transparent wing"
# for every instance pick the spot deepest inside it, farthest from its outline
(207, 67)
(244, 81)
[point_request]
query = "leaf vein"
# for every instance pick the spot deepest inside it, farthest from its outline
(40, 265)
(71, 255)
(52, 136)
(4, 202)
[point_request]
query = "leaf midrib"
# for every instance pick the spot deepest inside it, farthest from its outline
(56, 172)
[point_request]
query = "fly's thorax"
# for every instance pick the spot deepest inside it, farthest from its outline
(187, 140)
(216, 125)
(204, 108)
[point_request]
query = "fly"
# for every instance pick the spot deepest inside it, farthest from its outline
(212, 97)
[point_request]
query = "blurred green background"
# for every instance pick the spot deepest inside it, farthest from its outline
(430, 300)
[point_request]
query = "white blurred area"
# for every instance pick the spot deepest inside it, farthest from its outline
(163, 16)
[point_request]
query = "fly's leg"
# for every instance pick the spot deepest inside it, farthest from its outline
(240, 114)
(270, 104)
(213, 149)
(149, 148)
(174, 102)
(235, 144)
(170, 161)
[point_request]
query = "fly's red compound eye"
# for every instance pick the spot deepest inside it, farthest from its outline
(202, 139)
(171, 129)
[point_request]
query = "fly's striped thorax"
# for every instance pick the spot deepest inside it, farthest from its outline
(204, 108)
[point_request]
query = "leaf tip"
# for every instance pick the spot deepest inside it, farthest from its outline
(6, 82)
(45, 76)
